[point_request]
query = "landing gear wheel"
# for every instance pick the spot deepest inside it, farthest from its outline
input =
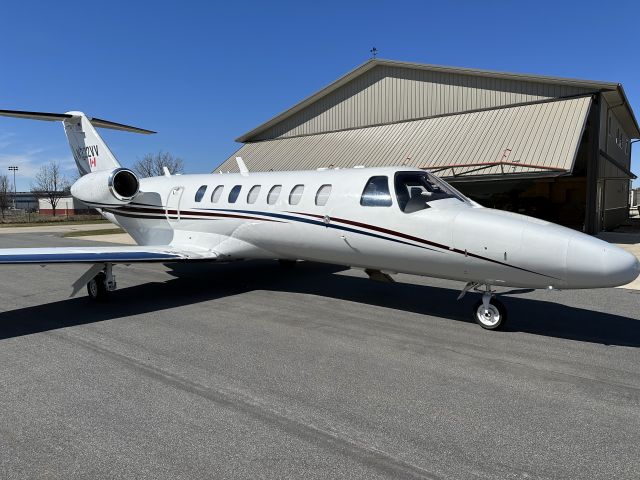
(97, 288)
(493, 318)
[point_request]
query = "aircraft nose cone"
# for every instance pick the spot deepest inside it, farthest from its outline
(619, 266)
(593, 263)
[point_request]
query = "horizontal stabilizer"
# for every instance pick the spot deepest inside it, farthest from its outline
(97, 122)
(51, 117)
(61, 117)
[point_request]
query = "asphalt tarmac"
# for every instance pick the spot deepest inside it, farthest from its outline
(251, 370)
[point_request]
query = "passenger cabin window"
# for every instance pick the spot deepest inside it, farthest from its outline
(252, 196)
(217, 192)
(200, 193)
(296, 195)
(376, 193)
(415, 190)
(322, 195)
(233, 194)
(274, 193)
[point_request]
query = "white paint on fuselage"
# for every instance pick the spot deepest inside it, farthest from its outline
(452, 239)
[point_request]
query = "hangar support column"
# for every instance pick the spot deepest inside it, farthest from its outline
(590, 221)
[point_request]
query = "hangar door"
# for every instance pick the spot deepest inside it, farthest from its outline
(538, 137)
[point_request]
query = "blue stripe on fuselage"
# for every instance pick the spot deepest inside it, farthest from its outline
(320, 223)
(273, 215)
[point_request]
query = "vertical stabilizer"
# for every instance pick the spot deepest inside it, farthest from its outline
(89, 150)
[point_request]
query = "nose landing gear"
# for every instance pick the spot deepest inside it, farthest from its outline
(490, 315)
(488, 312)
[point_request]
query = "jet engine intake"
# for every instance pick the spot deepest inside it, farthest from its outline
(114, 187)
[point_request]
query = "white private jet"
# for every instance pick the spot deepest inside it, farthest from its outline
(385, 220)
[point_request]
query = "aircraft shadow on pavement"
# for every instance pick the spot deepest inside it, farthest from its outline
(194, 283)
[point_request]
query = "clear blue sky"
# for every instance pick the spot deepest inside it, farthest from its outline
(203, 73)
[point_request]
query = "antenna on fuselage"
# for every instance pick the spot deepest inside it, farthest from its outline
(244, 171)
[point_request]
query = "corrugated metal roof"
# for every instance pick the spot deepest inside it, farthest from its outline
(614, 90)
(539, 137)
(387, 94)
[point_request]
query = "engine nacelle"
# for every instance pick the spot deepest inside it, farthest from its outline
(107, 187)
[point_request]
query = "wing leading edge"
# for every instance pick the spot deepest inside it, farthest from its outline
(128, 254)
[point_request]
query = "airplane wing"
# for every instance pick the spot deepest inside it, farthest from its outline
(93, 255)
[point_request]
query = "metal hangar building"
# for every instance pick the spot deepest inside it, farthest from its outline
(554, 148)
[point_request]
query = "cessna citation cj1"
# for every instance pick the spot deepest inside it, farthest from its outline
(385, 220)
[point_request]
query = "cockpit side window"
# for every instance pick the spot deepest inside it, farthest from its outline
(415, 190)
(376, 193)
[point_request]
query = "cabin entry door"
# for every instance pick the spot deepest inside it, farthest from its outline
(173, 204)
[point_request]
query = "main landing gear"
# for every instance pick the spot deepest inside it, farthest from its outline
(488, 312)
(100, 285)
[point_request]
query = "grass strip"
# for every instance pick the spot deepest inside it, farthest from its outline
(48, 224)
(87, 233)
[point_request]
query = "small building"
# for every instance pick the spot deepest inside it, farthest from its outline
(26, 201)
(67, 206)
(555, 148)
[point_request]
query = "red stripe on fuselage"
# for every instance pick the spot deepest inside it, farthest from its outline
(423, 241)
(162, 211)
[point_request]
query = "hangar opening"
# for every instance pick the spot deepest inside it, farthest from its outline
(549, 147)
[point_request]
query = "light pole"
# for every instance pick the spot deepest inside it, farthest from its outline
(14, 169)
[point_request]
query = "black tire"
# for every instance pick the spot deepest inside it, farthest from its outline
(96, 288)
(497, 312)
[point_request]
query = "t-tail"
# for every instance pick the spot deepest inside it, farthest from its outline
(89, 150)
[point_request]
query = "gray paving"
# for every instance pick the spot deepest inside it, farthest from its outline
(254, 371)
(63, 227)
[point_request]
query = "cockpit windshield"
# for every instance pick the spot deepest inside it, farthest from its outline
(415, 190)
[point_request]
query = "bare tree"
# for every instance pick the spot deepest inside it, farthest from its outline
(5, 192)
(151, 164)
(50, 183)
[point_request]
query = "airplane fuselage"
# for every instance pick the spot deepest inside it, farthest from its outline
(324, 216)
